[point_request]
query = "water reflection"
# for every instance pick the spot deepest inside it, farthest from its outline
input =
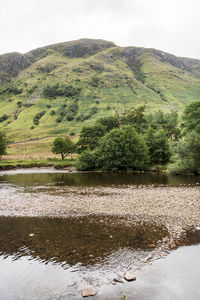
(94, 179)
(85, 240)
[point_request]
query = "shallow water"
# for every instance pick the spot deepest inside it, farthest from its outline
(54, 258)
(49, 177)
(74, 251)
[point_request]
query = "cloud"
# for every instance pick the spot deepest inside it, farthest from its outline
(171, 25)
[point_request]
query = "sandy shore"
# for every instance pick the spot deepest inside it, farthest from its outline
(175, 207)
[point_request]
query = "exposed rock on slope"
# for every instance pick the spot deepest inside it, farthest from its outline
(12, 63)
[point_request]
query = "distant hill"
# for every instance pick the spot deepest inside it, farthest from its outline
(59, 88)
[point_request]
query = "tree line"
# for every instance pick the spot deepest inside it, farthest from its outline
(137, 141)
(134, 140)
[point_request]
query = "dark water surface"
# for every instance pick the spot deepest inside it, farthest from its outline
(36, 177)
(53, 258)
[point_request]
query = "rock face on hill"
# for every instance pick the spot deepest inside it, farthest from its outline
(78, 48)
(12, 63)
(70, 85)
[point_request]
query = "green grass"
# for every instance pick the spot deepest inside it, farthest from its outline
(56, 163)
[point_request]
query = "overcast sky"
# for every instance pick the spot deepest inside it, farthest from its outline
(172, 26)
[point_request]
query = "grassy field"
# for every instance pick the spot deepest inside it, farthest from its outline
(33, 150)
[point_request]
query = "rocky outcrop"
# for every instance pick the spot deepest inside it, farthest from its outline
(12, 63)
(78, 48)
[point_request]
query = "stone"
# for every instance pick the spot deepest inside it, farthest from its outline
(118, 280)
(129, 276)
(88, 292)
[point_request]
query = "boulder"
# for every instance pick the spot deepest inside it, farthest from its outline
(88, 292)
(129, 276)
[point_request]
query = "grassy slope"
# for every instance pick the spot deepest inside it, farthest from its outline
(119, 84)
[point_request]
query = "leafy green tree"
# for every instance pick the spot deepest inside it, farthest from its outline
(168, 122)
(63, 146)
(90, 136)
(108, 122)
(136, 118)
(3, 144)
(191, 117)
(188, 151)
(122, 149)
(158, 145)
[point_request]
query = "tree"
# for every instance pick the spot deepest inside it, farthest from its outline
(90, 136)
(188, 150)
(122, 149)
(86, 161)
(158, 146)
(3, 144)
(63, 146)
(108, 122)
(191, 117)
(168, 122)
(136, 118)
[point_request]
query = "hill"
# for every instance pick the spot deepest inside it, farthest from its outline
(59, 88)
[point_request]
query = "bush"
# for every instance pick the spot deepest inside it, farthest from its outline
(59, 120)
(86, 161)
(3, 118)
(52, 112)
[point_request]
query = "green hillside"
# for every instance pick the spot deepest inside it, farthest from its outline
(60, 88)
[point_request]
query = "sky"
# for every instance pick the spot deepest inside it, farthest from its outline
(172, 26)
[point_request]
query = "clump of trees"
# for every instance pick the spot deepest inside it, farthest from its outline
(188, 148)
(125, 142)
(38, 116)
(138, 141)
(57, 90)
(11, 89)
(63, 147)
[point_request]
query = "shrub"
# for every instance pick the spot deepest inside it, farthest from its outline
(52, 112)
(3, 118)
(19, 103)
(86, 161)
